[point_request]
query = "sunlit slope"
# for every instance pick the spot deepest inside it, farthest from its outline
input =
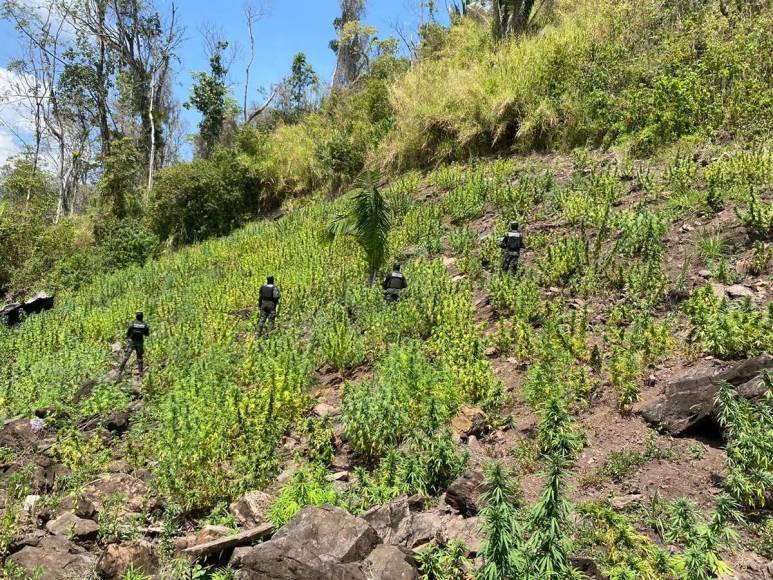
(217, 400)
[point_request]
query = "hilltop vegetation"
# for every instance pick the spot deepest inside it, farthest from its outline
(630, 140)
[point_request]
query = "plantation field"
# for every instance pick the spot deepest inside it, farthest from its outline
(615, 285)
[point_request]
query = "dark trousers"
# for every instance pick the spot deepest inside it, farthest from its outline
(131, 347)
(391, 295)
(510, 262)
(266, 313)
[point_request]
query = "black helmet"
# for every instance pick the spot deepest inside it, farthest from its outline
(397, 267)
(270, 280)
(513, 226)
(140, 316)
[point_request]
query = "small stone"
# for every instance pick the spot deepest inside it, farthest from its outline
(212, 533)
(704, 274)
(625, 501)
(340, 476)
(491, 351)
(738, 291)
(324, 410)
(29, 503)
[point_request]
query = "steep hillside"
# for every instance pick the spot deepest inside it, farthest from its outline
(631, 276)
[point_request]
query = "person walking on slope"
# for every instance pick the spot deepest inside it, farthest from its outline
(394, 284)
(268, 303)
(135, 342)
(511, 244)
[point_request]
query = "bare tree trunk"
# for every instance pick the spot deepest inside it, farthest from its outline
(152, 153)
(349, 47)
(251, 16)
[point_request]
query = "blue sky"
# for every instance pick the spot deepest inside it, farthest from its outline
(290, 26)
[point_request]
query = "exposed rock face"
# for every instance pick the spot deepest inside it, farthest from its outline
(690, 400)
(390, 563)
(71, 526)
(464, 494)
(471, 420)
(56, 558)
(319, 544)
(19, 434)
(133, 490)
(250, 510)
(388, 519)
(117, 560)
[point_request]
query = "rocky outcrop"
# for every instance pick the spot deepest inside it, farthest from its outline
(471, 421)
(118, 559)
(319, 544)
(689, 400)
(250, 510)
(133, 491)
(464, 494)
(56, 558)
(390, 563)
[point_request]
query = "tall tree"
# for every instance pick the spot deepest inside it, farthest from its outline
(350, 44)
(209, 98)
(145, 45)
(299, 92)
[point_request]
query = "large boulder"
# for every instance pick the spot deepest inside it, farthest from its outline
(388, 520)
(319, 543)
(118, 559)
(390, 563)
(689, 400)
(464, 494)
(250, 510)
(20, 434)
(55, 558)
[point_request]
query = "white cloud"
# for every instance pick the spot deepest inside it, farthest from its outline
(15, 118)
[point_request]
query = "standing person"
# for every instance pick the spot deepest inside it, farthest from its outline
(394, 284)
(511, 244)
(268, 303)
(135, 342)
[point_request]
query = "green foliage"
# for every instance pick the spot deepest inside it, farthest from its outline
(118, 187)
(641, 233)
(749, 450)
(758, 218)
(209, 96)
(501, 549)
(307, 487)
(194, 201)
(444, 562)
(725, 329)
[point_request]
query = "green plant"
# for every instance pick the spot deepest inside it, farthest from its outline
(133, 574)
(444, 562)
(758, 218)
(749, 449)
(367, 222)
(727, 330)
(501, 551)
(761, 257)
(307, 487)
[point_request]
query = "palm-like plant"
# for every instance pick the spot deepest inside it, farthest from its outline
(367, 221)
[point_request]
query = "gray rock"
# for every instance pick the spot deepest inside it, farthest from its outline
(250, 510)
(56, 558)
(388, 519)
(625, 501)
(390, 563)
(738, 291)
(464, 494)
(317, 544)
(690, 400)
(71, 526)
(133, 490)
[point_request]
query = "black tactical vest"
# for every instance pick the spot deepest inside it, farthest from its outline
(514, 241)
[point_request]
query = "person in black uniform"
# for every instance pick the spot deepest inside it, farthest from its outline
(511, 244)
(394, 284)
(135, 342)
(268, 303)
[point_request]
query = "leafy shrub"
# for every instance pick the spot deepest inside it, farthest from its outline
(194, 201)
(758, 218)
(307, 487)
(727, 330)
